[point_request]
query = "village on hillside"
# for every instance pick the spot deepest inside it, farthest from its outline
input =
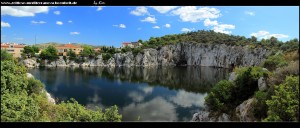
(17, 49)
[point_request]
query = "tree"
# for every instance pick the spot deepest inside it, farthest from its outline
(253, 39)
(284, 105)
(50, 53)
(30, 50)
(88, 51)
(5, 55)
(71, 54)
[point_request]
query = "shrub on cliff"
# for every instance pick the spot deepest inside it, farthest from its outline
(226, 95)
(50, 53)
(284, 105)
(275, 61)
(220, 96)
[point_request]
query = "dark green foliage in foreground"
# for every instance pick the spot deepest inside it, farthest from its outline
(220, 96)
(50, 53)
(227, 95)
(23, 99)
(5, 55)
(284, 105)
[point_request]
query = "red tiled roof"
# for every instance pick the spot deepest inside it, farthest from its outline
(4, 46)
(126, 43)
(19, 46)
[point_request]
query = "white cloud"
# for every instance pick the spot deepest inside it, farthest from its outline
(156, 109)
(156, 27)
(187, 29)
(147, 89)
(23, 11)
(149, 19)
(5, 24)
(186, 99)
(122, 26)
(194, 14)
(222, 28)
(56, 12)
(74, 33)
(139, 11)
(38, 22)
(266, 35)
(163, 9)
(208, 22)
(250, 13)
(59, 23)
(167, 25)
(100, 8)
(70, 21)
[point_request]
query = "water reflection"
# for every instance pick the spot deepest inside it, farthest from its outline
(150, 94)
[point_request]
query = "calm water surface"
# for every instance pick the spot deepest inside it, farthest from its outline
(150, 94)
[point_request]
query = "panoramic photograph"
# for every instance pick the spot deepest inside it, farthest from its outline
(149, 63)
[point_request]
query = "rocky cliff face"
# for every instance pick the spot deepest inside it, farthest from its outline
(177, 55)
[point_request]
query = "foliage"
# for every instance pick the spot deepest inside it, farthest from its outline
(88, 51)
(107, 56)
(226, 95)
(284, 105)
(275, 61)
(126, 49)
(111, 50)
(71, 54)
(291, 45)
(30, 50)
(220, 96)
(260, 108)
(5, 55)
(135, 51)
(50, 53)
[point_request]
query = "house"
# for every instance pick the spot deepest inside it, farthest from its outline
(124, 44)
(97, 49)
(131, 44)
(62, 50)
(13, 48)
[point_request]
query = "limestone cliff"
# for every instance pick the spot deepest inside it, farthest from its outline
(180, 54)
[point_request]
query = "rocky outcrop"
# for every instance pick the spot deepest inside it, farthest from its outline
(180, 54)
(244, 111)
(232, 76)
(29, 75)
(49, 97)
(204, 116)
(30, 63)
(262, 86)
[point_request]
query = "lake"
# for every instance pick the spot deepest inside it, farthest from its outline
(144, 94)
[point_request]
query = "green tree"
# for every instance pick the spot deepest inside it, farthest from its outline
(284, 105)
(71, 54)
(88, 51)
(5, 55)
(50, 53)
(253, 39)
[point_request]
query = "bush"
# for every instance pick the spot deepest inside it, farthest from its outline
(247, 82)
(260, 108)
(220, 96)
(5, 55)
(275, 61)
(284, 105)
(107, 56)
(50, 53)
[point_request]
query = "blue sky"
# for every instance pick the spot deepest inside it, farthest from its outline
(112, 25)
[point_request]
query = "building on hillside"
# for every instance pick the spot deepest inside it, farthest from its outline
(13, 48)
(131, 44)
(97, 49)
(62, 50)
